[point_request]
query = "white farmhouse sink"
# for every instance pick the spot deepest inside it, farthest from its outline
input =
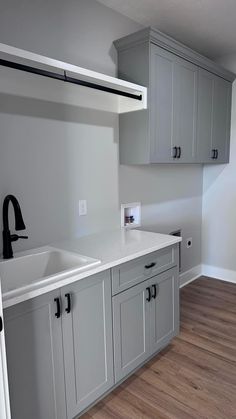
(46, 265)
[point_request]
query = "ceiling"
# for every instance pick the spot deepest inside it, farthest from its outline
(207, 26)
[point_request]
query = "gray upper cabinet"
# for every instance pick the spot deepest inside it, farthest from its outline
(87, 337)
(213, 126)
(184, 110)
(204, 152)
(189, 103)
(173, 102)
(221, 119)
(161, 105)
(35, 359)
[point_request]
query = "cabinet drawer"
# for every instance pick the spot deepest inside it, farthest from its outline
(137, 270)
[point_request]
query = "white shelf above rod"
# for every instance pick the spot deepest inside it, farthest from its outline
(130, 96)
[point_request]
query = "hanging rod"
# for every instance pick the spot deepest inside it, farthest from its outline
(65, 78)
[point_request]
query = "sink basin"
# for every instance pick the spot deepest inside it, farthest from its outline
(47, 265)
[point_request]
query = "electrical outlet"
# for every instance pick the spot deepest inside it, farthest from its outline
(82, 207)
(189, 242)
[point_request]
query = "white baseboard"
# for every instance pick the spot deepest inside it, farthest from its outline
(219, 273)
(189, 276)
(207, 270)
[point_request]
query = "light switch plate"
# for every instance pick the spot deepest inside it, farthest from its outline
(82, 207)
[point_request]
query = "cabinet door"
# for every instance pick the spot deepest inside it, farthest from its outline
(205, 116)
(173, 107)
(35, 359)
(87, 338)
(221, 119)
(164, 309)
(184, 110)
(131, 321)
(4, 392)
(161, 105)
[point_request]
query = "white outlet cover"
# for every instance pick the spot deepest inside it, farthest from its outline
(82, 207)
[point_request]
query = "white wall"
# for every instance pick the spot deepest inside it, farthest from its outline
(171, 198)
(219, 205)
(52, 155)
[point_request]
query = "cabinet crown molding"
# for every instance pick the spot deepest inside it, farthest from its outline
(164, 41)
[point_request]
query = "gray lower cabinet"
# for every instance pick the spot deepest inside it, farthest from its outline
(35, 359)
(63, 347)
(87, 337)
(145, 319)
(58, 366)
(189, 107)
(164, 309)
(131, 315)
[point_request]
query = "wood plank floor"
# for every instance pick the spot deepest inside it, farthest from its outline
(195, 377)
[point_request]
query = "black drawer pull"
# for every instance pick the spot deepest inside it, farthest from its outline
(151, 265)
(179, 153)
(149, 297)
(1, 324)
(216, 157)
(68, 308)
(58, 303)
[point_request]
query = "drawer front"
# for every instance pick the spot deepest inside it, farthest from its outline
(131, 273)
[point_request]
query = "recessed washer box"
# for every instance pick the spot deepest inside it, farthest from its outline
(131, 215)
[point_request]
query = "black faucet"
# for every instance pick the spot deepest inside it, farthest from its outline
(8, 238)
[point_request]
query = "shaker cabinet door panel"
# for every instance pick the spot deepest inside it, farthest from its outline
(164, 309)
(221, 119)
(87, 337)
(131, 321)
(185, 109)
(35, 359)
(161, 105)
(204, 147)
(173, 107)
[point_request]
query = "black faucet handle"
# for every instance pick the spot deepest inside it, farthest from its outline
(15, 237)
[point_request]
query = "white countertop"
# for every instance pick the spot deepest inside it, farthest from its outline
(112, 248)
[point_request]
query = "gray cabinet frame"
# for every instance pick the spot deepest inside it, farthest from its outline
(174, 128)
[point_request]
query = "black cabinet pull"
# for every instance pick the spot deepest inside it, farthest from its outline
(174, 152)
(58, 303)
(1, 324)
(179, 152)
(154, 287)
(151, 265)
(68, 308)
(214, 154)
(149, 297)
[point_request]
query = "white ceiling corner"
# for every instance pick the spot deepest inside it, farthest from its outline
(207, 26)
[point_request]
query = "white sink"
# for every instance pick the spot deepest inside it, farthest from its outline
(44, 266)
